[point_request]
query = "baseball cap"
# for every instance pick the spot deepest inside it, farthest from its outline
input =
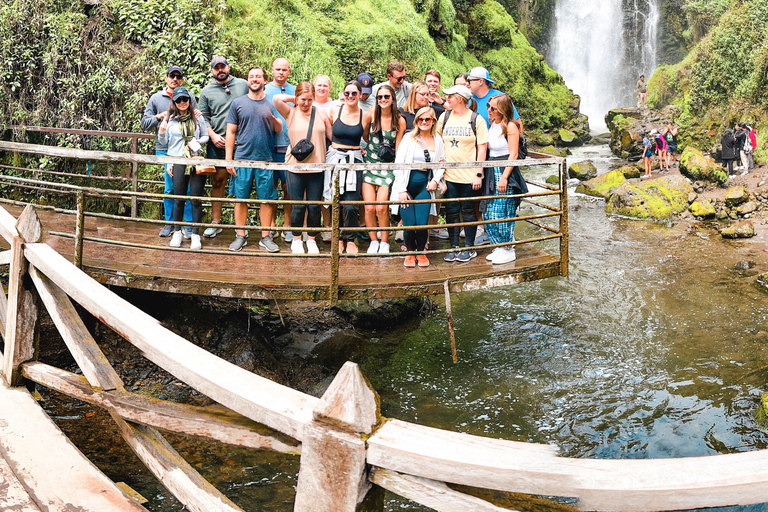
(180, 92)
(480, 72)
(176, 69)
(654, 131)
(366, 81)
(461, 90)
(219, 60)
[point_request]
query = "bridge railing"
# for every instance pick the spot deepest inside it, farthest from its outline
(345, 445)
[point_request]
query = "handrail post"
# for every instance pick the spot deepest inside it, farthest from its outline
(332, 475)
(79, 230)
(333, 292)
(564, 218)
(134, 178)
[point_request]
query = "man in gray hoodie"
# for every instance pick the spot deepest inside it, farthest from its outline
(153, 116)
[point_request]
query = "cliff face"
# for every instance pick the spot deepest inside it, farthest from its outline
(77, 65)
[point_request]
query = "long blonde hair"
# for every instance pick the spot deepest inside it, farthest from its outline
(504, 107)
(424, 110)
(410, 104)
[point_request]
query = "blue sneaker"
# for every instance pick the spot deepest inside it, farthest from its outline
(450, 257)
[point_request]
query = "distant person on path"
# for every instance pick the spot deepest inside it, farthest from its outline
(365, 100)
(647, 152)
(661, 150)
(753, 142)
(420, 145)
(396, 80)
(304, 184)
(728, 143)
(385, 131)
(154, 113)
(670, 135)
(466, 140)
(642, 92)
(215, 100)
(184, 132)
(252, 127)
(281, 68)
(503, 140)
(745, 147)
(432, 79)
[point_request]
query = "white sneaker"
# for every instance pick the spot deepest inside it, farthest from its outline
(326, 236)
(374, 247)
(462, 235)
(504, 256)
(176, 239)
(297, 246)
(493, 253)
(383, 248)
(194, 243)
(399, 236)
(312, 246)
(480, 231)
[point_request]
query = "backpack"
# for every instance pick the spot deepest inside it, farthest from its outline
(747, 144)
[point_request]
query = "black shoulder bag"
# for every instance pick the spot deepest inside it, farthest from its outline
(304, 147)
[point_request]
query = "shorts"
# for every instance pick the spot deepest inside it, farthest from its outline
(648, 153)
(214, 153)
(241, 185)
(672, 149)
(279, 158)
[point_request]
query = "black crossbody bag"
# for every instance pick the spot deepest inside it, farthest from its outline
(304, 147)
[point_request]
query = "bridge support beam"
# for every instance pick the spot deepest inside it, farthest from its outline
(333, 475)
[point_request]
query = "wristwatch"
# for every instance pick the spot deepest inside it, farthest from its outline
(479, 175)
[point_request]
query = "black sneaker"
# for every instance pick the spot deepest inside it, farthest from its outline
(465, 256)
(450, 257)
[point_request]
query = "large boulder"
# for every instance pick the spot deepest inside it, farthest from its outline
(735, 196)
(603, 185)
(661, 198)
(743, 229)
(567, 138)
(582, 171)
(626, 125)
(700, 167)
(630, 171)
(552, 150)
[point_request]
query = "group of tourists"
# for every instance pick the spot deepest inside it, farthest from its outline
(265, 120)
(664, 144)
(738, 145)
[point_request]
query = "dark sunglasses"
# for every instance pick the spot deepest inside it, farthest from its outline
(176, 76)
(425, 120)
(384, 97)
(350, 94)
(226, 89)
(183, 99)
(491, 108)
(427, 158)
(220, 66)
(470, 80)
(398, 79)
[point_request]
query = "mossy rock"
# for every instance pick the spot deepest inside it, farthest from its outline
(567, 138)
(543, 139)
(553, 179)
(747, 208)
(582, 171)
(762, 283)
(603, 185)
(703, 209)
(630, 171)
(658, 199)
(735, 196)
(699, 167)
(761, 414)
(552, 150)
(743, 229)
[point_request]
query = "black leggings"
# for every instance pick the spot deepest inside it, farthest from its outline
(351, 212)
(299, 184)
(467, 209)
(195, 184)
(728, 162)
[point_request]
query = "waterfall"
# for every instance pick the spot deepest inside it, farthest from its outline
(601, 47)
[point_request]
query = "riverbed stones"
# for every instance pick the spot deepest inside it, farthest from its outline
(567, 138)
(735, 196)
(582, 171)
(543, 139)
(703, 209)
(742, 229)
(747, 208)
(659, 199)
(699, 167)
(603, 185)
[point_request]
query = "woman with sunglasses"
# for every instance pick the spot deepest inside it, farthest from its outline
(503, 140)
(418, 98)
(185, 134)
(348, 124)
(420, 145)
(383, 136)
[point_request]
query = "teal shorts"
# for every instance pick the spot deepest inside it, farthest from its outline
(241, 185)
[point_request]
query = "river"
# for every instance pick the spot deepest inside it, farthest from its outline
(645, 351)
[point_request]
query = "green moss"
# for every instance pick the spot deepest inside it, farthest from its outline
(602, 185)
(702, 209)
(695, 165)
(655, 199)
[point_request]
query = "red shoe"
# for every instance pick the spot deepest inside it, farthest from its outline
(422, 260)
(410, 261)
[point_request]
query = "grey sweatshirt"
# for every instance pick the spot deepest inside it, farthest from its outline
(175, 143)
(158, 102)
(215, 102)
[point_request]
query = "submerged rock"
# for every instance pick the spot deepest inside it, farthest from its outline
(653, 199)
(699, 167)
(583, 171)
(603, 185)
(743, 229)
(703, 209)
(735, 196)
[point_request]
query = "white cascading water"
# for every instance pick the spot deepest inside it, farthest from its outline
(601, 47)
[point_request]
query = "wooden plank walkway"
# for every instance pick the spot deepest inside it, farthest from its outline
(40, 469)
(240, 276)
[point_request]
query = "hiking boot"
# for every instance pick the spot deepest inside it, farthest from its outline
(166, 231)
(176, 239)
(383, 248)
(211, 232)
(269, 244)
(238, 243)
(297, 246)
(465, 256)
(374, 247)
(195, 243)
(312, 246)
(450, 257)
(410, 261)
(422, 260)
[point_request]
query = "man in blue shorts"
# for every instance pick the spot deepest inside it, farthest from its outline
(252, 126)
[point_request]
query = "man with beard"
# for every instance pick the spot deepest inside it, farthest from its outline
(215, 100)
(252, 126)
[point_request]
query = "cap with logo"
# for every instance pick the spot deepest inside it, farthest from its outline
(366, 81)
(175, 69)
(180, 92)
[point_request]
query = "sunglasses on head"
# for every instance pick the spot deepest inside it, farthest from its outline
(176, 76)
(350, 94)
(183, 99)
(384, 97)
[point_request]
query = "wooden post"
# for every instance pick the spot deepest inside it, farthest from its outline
(79, 229)
(564, 218)
(332, 476)
(333, 292)
(449, 311)
(134, 178)
(21, 314)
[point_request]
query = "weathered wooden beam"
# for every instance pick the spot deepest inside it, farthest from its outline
(212, 423)
(175, 473)
(430, 493)
(255, 397)
(13, 496)
(20, 319)
(7, 227)
(5, 257)
(79, 341)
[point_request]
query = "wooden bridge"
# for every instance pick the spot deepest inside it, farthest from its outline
(347, 450)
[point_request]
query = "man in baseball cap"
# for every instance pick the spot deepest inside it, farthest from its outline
(480, 83)
(366, 101)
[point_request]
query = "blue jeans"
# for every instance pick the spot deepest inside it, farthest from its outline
(168, 204)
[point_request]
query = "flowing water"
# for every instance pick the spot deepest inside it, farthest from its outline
(649, 349)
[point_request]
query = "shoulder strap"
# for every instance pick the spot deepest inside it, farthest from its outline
(341, 108)
(473, 122)
(447, 115)
(311, 123)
